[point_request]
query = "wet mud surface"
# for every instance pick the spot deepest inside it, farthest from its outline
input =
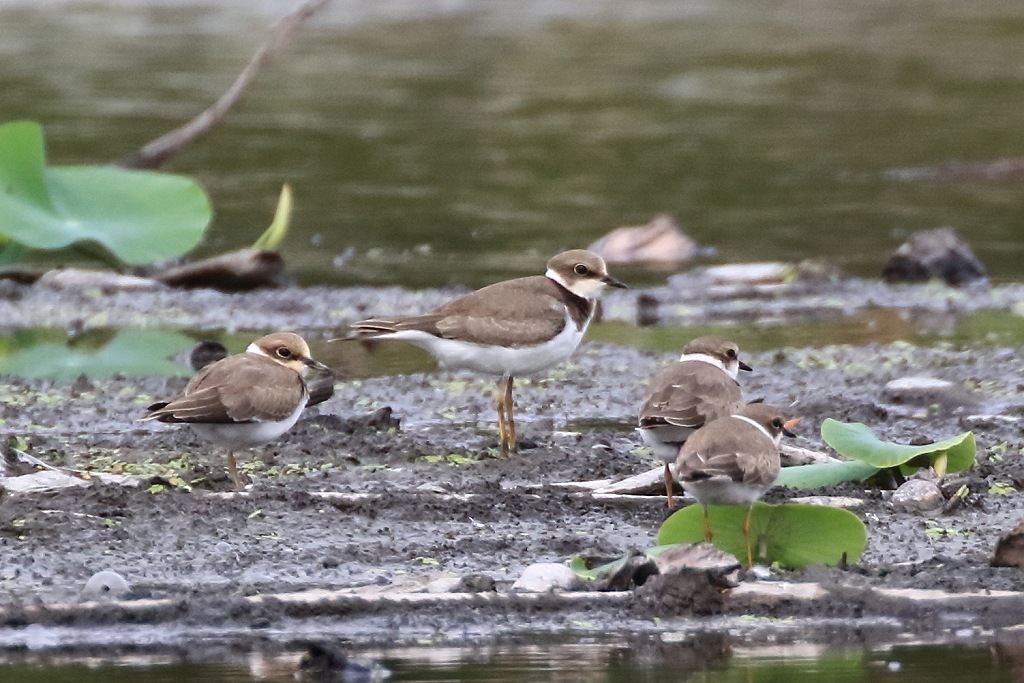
(340, 503)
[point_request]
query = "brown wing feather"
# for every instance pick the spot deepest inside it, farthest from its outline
(508, 313)
(688, 394)
(243, 388)
(729, 448)
(367, 329)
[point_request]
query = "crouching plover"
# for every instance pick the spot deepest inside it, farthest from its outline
(247, 399)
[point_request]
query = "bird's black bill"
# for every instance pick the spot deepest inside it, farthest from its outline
(612, 282)
(786, 432)
(315, 364)
(744, 366)
(788, 425)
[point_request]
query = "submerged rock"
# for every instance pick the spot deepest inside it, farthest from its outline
(323, 664)
(934, 254)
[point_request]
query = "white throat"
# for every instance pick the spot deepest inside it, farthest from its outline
(732, 369)
(589, 289)
(775, 439)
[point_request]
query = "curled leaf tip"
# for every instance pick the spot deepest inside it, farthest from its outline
(274, 235)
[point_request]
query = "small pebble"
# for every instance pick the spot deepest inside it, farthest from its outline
(760, 573)
(918, 495)
(926, 391)
(105, 584)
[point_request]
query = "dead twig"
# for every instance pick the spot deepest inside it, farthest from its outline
(156, 152)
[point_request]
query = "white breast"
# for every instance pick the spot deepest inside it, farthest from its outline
(247, 434)
(497, 360)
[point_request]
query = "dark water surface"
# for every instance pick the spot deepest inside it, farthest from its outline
(615, 663)
(592, 663)
(434, 142)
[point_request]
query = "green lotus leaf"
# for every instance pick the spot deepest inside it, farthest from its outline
(857, 442)
(579, 567)
(824, 474)
(792, 535)
(139, 216)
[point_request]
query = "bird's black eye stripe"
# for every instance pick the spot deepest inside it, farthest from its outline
(580, 269)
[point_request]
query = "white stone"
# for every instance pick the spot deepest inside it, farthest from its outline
(545, 577)
(107, 281)
(748, 273)
(845, 502)
(44, 480)
(918, 384)
(105, 584)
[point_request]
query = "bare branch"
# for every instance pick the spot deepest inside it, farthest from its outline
(156, 152)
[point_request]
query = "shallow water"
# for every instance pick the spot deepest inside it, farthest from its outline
(441, 142)
(711, 662)
(54, 354)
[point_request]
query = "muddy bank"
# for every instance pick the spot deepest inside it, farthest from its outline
(338, 504)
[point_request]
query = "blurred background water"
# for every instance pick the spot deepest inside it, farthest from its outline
(457, 141)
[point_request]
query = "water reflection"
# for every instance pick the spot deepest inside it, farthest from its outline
(52, 354)
(708, 658)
